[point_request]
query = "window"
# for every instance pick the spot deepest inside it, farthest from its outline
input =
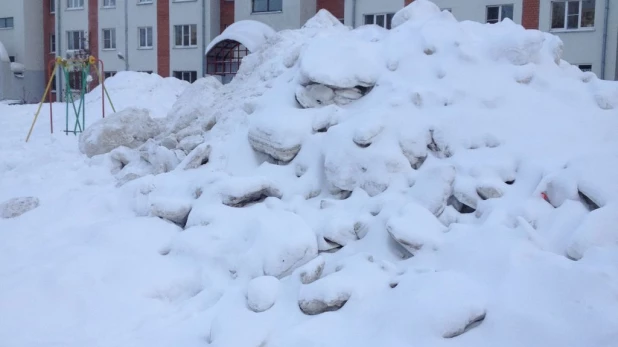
(52, 43)
(109, 74)
(572, 15)
(189, 76)
(144, 2)
(145, 37)
(53, 84)
(384, 20)
(148, 72)
(267, 5)
(185, 35)
(12, 58)
(6, 23)
(52, 6)
(109, 3)
(498, 13)
(75, 4)
(447, 9)
(585, 67)
(109, 38)
(76, 40)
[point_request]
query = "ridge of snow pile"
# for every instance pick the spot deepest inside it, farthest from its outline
(440, 183)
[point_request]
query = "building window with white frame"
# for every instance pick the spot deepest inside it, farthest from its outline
(143, 1)
(75, 4)
(185, 35)
(6, 23)
(109, 74)
(383, 19)
(52, 6)
(145, 37)
(109, 3)
(572, 15)
(109, 38)
(189, 76)
(52, 43)
(267, 6)
(585, 67)
(498, 13)
(76, 40)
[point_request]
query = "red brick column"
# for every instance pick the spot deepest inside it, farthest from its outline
(530, 14)
(163, 38)
(93, 27)
(49, 28)
(335, 7)
(408, 2)
(227, 14)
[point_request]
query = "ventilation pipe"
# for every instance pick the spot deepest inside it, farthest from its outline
(604, 47)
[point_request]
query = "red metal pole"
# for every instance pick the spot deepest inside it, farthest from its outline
(51, 110)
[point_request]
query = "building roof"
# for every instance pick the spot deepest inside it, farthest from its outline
(251, 34)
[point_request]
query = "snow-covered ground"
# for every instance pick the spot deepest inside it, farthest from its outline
(443, 183)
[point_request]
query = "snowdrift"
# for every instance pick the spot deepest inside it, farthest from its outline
(440, 183)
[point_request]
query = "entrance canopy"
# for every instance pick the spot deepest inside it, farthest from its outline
(224, 54)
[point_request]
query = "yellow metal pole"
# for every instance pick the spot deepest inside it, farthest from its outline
(36, 115)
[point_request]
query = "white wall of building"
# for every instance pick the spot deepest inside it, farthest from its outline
(584, 46)
(112, 18)
(12, 38)
(142, 15)
(186, 58)
(288, 18)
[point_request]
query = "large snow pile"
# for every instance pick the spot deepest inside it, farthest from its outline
(440, 183)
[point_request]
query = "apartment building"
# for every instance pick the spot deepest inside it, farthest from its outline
(20, 35)
(169, 37)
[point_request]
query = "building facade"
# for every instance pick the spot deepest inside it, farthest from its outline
(169, 37)
(20, 33)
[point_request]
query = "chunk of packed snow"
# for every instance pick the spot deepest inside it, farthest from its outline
(17, 206)
(598, 229)
(416, 228)
(130, 128)
(262, 293)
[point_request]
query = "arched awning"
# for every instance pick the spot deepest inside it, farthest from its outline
(225, 53)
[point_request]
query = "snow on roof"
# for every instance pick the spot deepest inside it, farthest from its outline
(251, 34)
(4, 55)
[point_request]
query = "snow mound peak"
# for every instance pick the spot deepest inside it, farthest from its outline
(419, 10)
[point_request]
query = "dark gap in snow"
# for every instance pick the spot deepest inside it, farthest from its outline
(393, 285)
(475, 322)
(459, 206)
(322, 130)
(165, 251)
(510, 182)
(198, 192)
(587, 201)
(248, 200)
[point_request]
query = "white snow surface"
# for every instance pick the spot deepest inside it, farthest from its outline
(4, 55)
(462, 130)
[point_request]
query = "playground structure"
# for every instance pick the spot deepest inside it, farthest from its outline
(81, 68)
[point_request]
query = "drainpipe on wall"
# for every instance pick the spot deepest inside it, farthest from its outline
(203, 50)
(353, 13)
(126, 35)
(604, 49)
(59, 94)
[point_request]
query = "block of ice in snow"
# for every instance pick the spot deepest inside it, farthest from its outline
(341, 63)
(276, 136)
(194, 104)
(416, 228)
(174, 210)
(598, 229)
(433, 187)
(17, 206)
(312, 271)
(239, 193)
(262, 293)
(314, 95)
(130, 127)
(198, 157)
